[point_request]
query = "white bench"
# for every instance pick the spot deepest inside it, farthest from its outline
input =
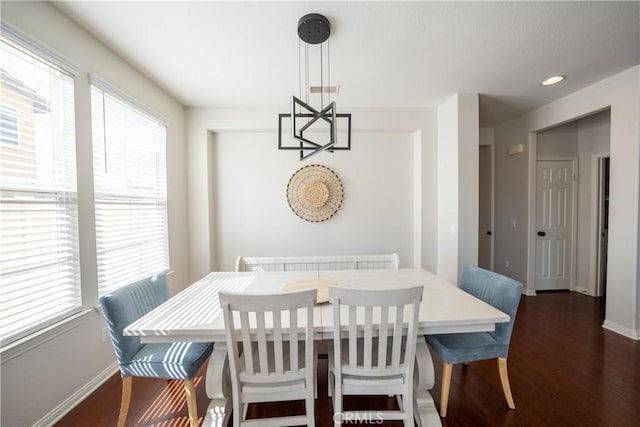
(317, 263)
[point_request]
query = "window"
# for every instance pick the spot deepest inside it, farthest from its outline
(8, 125)
(129, 168)
(40, 275)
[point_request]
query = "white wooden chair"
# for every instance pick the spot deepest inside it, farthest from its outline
(377, 356)
(273, 366)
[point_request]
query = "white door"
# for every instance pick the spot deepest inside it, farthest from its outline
(554, 220)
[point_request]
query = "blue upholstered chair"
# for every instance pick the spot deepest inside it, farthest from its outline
(175, 361)
(502, 293)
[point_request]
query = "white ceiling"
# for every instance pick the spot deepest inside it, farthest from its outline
(383, 54)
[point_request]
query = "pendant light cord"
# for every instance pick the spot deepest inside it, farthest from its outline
(321, 78)
(306, 69)
(329, 69)
(299, 71)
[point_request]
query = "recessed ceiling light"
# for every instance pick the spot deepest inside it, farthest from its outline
(552, 80)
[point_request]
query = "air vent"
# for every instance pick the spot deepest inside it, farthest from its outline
(324, 89)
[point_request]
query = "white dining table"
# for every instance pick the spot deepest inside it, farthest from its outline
(194, 315)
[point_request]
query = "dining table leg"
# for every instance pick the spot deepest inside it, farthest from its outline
(218, 388)
(425, 411)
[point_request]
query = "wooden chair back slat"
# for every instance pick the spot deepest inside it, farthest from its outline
(263, 356)
(382, 336)
(397, 337)
(293, 339)
(246, 342)
(278, 351)
(368, 337)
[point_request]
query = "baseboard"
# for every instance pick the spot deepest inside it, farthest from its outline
(68, 404)
(584, 291)
(622, 330)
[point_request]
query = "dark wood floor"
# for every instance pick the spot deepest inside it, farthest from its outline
(565, 370)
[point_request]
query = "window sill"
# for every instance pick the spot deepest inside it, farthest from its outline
(18, 348)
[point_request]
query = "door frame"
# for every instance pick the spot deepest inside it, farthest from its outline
(595, 275)
(530, 288)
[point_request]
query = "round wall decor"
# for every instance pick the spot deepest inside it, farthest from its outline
(315, 193)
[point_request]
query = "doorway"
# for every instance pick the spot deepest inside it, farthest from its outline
(603, 225)
(586, 139)
(485, 207)
(555, 224)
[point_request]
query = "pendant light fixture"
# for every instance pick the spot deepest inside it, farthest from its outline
(313, 129)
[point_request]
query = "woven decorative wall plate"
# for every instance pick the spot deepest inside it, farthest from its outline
(315, 193)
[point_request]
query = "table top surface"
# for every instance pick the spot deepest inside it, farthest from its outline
(194, 314)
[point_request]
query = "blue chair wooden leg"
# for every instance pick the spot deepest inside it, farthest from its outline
(190, 392)
(446, 386)
(504, 380)
(126, 400)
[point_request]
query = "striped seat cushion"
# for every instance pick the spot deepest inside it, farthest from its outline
(178, 361)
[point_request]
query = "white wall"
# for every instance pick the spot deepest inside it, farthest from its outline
(252, 217)
(448, 186)
(486, 136)
(514, 195)
(429, 214)
(42, 377)
(238, 178)
(468, 175)
(561, 141)
(458, 142)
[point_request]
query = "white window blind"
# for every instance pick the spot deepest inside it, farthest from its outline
(40, 271)
(9, 129)
(129, 168)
